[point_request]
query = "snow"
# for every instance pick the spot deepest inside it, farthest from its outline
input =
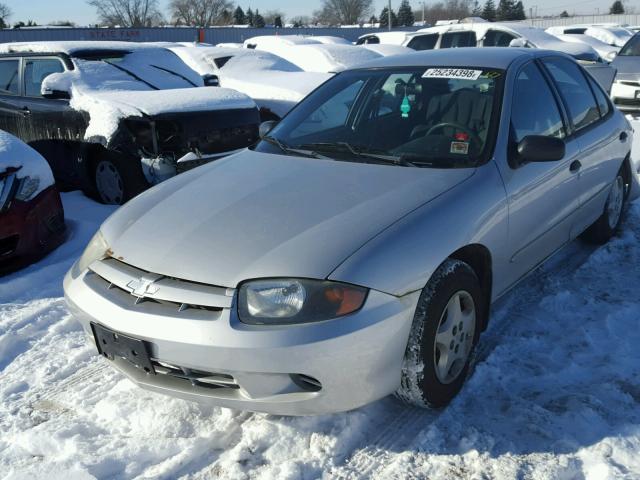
(325, 58)
(71, 47)
(268, 42)
(388, 38)
(554, 393)
(386, 49)
(16, 154)
(270, 80)
(106, 109)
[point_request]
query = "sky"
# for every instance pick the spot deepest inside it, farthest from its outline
(44, 11)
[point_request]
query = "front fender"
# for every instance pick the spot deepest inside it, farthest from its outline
(402, 258)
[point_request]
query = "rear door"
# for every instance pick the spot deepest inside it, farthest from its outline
(12, 114)
(56, 129)
(543, 197)
(603, 143)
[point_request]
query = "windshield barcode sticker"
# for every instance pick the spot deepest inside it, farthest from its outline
(457, 73)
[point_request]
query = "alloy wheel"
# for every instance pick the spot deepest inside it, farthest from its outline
(614, 203)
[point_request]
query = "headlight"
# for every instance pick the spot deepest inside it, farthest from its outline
(96, 249)
(291, 301)
(27, 188)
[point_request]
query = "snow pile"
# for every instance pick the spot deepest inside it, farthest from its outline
(268, 42)
(16, 154)
(554, 394)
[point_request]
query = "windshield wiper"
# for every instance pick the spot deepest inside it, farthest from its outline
(287, 149)
(176, 74)
(364, 153)
(131, 74)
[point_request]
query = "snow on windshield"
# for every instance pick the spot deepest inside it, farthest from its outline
(16, 154)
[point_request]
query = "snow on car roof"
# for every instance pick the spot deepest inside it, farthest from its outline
(202, 59)
(386, 49)
(263, 42)
(325, 58)
(71, 47)
(391, 38)
(16, 154)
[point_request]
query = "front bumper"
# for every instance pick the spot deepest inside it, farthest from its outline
(356, 359)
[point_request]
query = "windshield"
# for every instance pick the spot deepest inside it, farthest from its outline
(632, 48)
(418, 116)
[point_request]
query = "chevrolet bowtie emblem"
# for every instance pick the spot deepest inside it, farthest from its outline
(144, 286)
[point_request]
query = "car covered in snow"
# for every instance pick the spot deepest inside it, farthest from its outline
(31, 213)
(313, 56)
(115, 117)
(275, 84)
(625, 92)
(614, 35)
(383, 38)
(607, 52)
(356, 250)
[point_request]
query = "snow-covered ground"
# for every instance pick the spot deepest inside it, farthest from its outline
(555, 392)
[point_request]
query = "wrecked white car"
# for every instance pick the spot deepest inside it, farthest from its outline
(113, 118)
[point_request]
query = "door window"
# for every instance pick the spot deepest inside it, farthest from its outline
(496, 38)
(534, 110)
(9, 82)
(36, 70)
(458, 39)
(575, 90)
(423, 42)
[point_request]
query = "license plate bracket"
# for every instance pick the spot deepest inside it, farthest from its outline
(112, 344)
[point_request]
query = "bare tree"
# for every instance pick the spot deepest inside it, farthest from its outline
(199, 13)
(271, 15)
(128, 13)
(447, 10)
(344, 12)
(5, 13)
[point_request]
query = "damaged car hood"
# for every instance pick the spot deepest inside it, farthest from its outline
(257, 215)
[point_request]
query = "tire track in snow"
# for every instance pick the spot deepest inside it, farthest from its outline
(404, 423)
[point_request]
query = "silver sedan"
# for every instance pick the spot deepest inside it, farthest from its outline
(356, 250)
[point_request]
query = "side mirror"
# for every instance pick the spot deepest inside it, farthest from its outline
(266, 127)
(518, 43)
(211, 81)
(539, 148)
(56, 94)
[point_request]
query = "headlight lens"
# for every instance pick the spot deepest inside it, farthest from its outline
(27, 188)
(291, 301)
(96, 249)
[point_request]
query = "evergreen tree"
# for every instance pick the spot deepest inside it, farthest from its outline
(505, 10)
(249, 18)
(616, 8)
(564, 14)
(405, 14)
(239, 17)
(278, 22)
(373, 20)
(258, 20)
(477, 9)
(489, 11)
(384, 18)
(518, 11)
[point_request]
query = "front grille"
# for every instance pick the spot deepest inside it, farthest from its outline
(196, 378)
(131, 286)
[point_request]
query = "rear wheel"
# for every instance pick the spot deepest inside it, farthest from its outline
(445, 329)
(607, 224)
(117, 179)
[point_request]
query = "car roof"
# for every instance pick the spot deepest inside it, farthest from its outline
(72, 47)
(490, 57)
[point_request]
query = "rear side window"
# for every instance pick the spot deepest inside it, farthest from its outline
(9, 76)
(458, 39)
(601, 98)
(534, 110)
(36, 70)
(575, 91)
(423, 42)
(496, 38)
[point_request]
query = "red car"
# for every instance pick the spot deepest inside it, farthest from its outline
(31, 214)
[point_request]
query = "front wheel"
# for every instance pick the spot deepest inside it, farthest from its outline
(609, 221)
(445, 329)
(117, 179)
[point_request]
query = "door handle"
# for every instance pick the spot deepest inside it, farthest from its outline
(575, 166)
(25, 111)
(623, 136)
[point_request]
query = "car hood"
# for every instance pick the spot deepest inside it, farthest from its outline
(257, 215)
(576, 50)
(628, 67)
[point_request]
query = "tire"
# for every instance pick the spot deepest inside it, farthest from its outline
(116, 178)
(426, 380)
(608, 223)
